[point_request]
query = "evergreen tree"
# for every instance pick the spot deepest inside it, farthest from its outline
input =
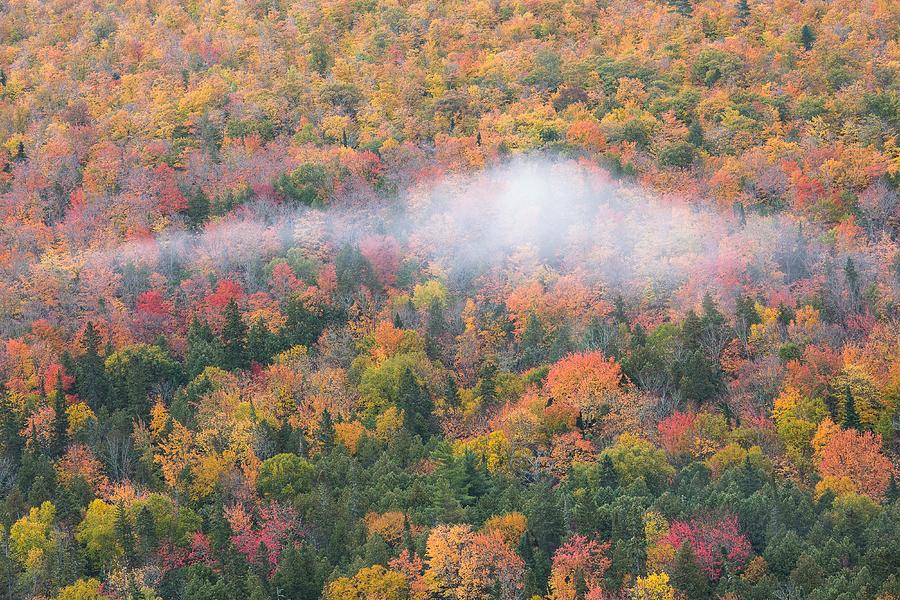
(851, 417)
(695, 134)
(638, 337)
(145, 528)
(699, 377)
(618, 314)
(893, 491)
(20, 152)
(607, 476)
(687, 575)
(533, 340)
(416, 403)
(561, 343)
(302, 327)
(301, 574)
(234, 339)
(60, 419)
(435, 323)
(807, 37)
(488, 384)
(203, 349)
(408, 543)
(90, 376)
(125, 535)
(11, 423)
(682, 7)
(260, 342)
(451, 392)
(745, 316)
(325, 431)
(197, 211)
(743, 11)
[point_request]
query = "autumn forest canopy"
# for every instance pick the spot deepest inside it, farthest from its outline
(450, 300)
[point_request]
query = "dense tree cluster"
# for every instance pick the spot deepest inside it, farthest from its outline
(282, 316)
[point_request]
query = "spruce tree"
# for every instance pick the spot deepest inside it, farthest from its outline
(125, 535)
(851, 417)
(90, 374)
(197, 211)
(145, 528)
(451, 392)
(325, 431)
(234, 339)
(11, 443)
(743, 11)
(260, 342)
(415, 402)
(807, 37)
(687, 575)
(203, 349)
(488, 384)
(533, 341)
(60, 419)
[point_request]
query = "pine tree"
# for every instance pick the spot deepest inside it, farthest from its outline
(743, 11)
(301, 573)
(638, 337)
(893, 491)
(698, 375)
(234, 339)
(619, 314)
(325, 431)
(145, 528)
(20, 152)
(807, 37)
(451, 392)
(2, 77)
(90, 375)
(695, 134)
(851, 417)
(60, 419)
(533, 340)
(302, 327)
(125, 534)
(488, 384)
(561, 343)
(11, 442)
(203, 349)
(682, 7)
(416, 404)
(607, 476)
(687, 575)
(197, 211)
(408, 542)
(260, 342)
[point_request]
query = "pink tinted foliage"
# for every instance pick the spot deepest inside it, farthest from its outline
(275, 525)
(714, 543)
(676, 433)
(383, 253)
(579, 556)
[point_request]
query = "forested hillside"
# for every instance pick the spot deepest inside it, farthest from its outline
(449, 300)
